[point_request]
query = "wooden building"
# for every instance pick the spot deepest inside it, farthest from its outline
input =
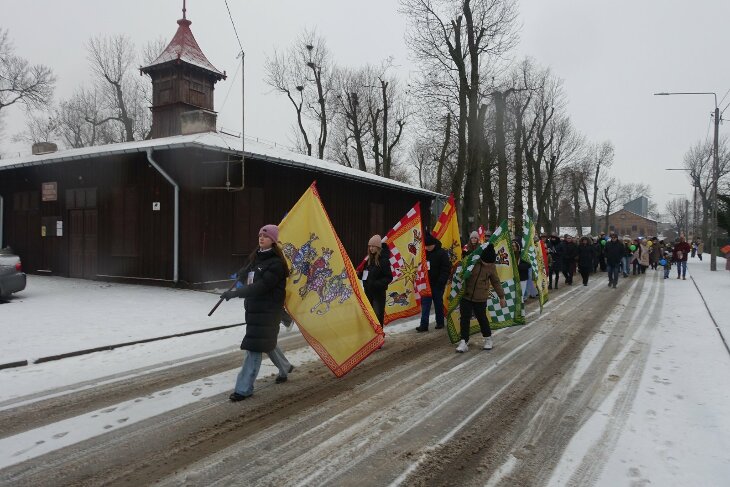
(179, 208)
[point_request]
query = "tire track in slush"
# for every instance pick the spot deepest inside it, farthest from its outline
(615, 369)
(361, 441)
(477, 451)
(163, 445)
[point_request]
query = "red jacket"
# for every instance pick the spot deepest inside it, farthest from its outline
(681, 251)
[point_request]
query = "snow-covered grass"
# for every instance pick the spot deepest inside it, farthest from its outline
(55, 315)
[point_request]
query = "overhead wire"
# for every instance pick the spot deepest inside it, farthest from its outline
(234, 25)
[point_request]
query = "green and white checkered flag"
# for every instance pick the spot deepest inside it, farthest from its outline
(533, 255)
(499, 317)
(508, 274)
(461, 275)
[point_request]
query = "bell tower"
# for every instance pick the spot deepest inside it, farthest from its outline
(183, 81)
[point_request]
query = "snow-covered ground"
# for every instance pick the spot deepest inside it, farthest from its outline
(677, 429)
(55, 315)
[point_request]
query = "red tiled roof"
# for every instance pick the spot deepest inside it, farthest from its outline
(183, 47)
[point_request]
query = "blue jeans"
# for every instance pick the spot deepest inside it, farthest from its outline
(625, 262)
(278, 358)
(612, 272)
(252, 365)
(249, 372)
(437, 298)
(681, 268)
(666, 271)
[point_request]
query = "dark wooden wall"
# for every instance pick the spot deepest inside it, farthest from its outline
(218, 228)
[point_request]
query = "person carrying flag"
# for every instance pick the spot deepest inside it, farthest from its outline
(439, 270)
(476, 295)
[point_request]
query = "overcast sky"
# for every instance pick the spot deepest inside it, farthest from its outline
(611, 55)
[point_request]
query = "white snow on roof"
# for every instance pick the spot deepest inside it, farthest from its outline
(211, 140)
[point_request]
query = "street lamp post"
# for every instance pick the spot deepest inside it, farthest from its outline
(715, 176)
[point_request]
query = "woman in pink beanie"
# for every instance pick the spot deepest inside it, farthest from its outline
(376, 275)
(264, 287)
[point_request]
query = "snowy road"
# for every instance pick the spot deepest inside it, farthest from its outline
(591, 392)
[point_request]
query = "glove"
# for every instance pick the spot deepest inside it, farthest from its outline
(229, 294)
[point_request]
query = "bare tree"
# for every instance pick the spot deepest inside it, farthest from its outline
(451, 40)
(83, 120)
(610, 193)
(112, 59)
(353, 91)
(599, 158)
(387, 127)
(699, 160)
(39, 127)
(304, 74)
(21, 82)
(677, 211)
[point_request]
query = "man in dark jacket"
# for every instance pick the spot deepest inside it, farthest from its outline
(439, 271)
(679, 255)
(586, 259)
(555, 264)
(614, 251)
(570, 254)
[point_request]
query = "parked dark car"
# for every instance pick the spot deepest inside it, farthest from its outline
(12, 277)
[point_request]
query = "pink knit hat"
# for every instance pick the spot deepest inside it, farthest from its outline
(271, 231)
(375, 241)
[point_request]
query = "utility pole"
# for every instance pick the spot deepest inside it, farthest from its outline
(715, 176)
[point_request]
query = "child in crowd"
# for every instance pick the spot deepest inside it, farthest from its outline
(667, 256)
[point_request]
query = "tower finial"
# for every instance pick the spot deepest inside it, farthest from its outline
(184, 10)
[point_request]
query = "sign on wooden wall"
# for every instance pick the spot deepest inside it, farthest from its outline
(49, 191)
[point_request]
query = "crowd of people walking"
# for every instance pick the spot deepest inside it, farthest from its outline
(263, 279)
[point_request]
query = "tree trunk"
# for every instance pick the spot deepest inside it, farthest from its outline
(576, 204)
(442, 157)
(518, 208)
(500, 147)
(386, 156)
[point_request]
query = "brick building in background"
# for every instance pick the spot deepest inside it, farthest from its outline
(625, 222)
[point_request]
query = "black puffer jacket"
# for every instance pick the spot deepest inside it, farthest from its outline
(614, 252)
(379, 276)
(264, 301)
(586, 254)
(439, 266)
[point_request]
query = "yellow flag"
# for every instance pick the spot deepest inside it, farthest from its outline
(446, 231)
(409, 266)
(322, 292)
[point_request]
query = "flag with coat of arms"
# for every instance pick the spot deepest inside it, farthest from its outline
(409, 266)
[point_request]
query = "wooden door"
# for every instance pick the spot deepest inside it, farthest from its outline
(76, 243)
(90, 243)
(83, 238)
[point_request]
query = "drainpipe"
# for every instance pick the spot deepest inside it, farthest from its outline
(176, 231)
(2, 219)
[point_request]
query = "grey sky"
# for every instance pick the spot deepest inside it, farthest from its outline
(611, 55)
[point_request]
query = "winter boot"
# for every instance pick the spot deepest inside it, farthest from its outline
(463, 347)
(487, 343)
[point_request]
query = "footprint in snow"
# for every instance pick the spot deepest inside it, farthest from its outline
(60, 435)
(198, 391)
(106, 427)
(164, 393)
(123, 420)
(109, 410)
